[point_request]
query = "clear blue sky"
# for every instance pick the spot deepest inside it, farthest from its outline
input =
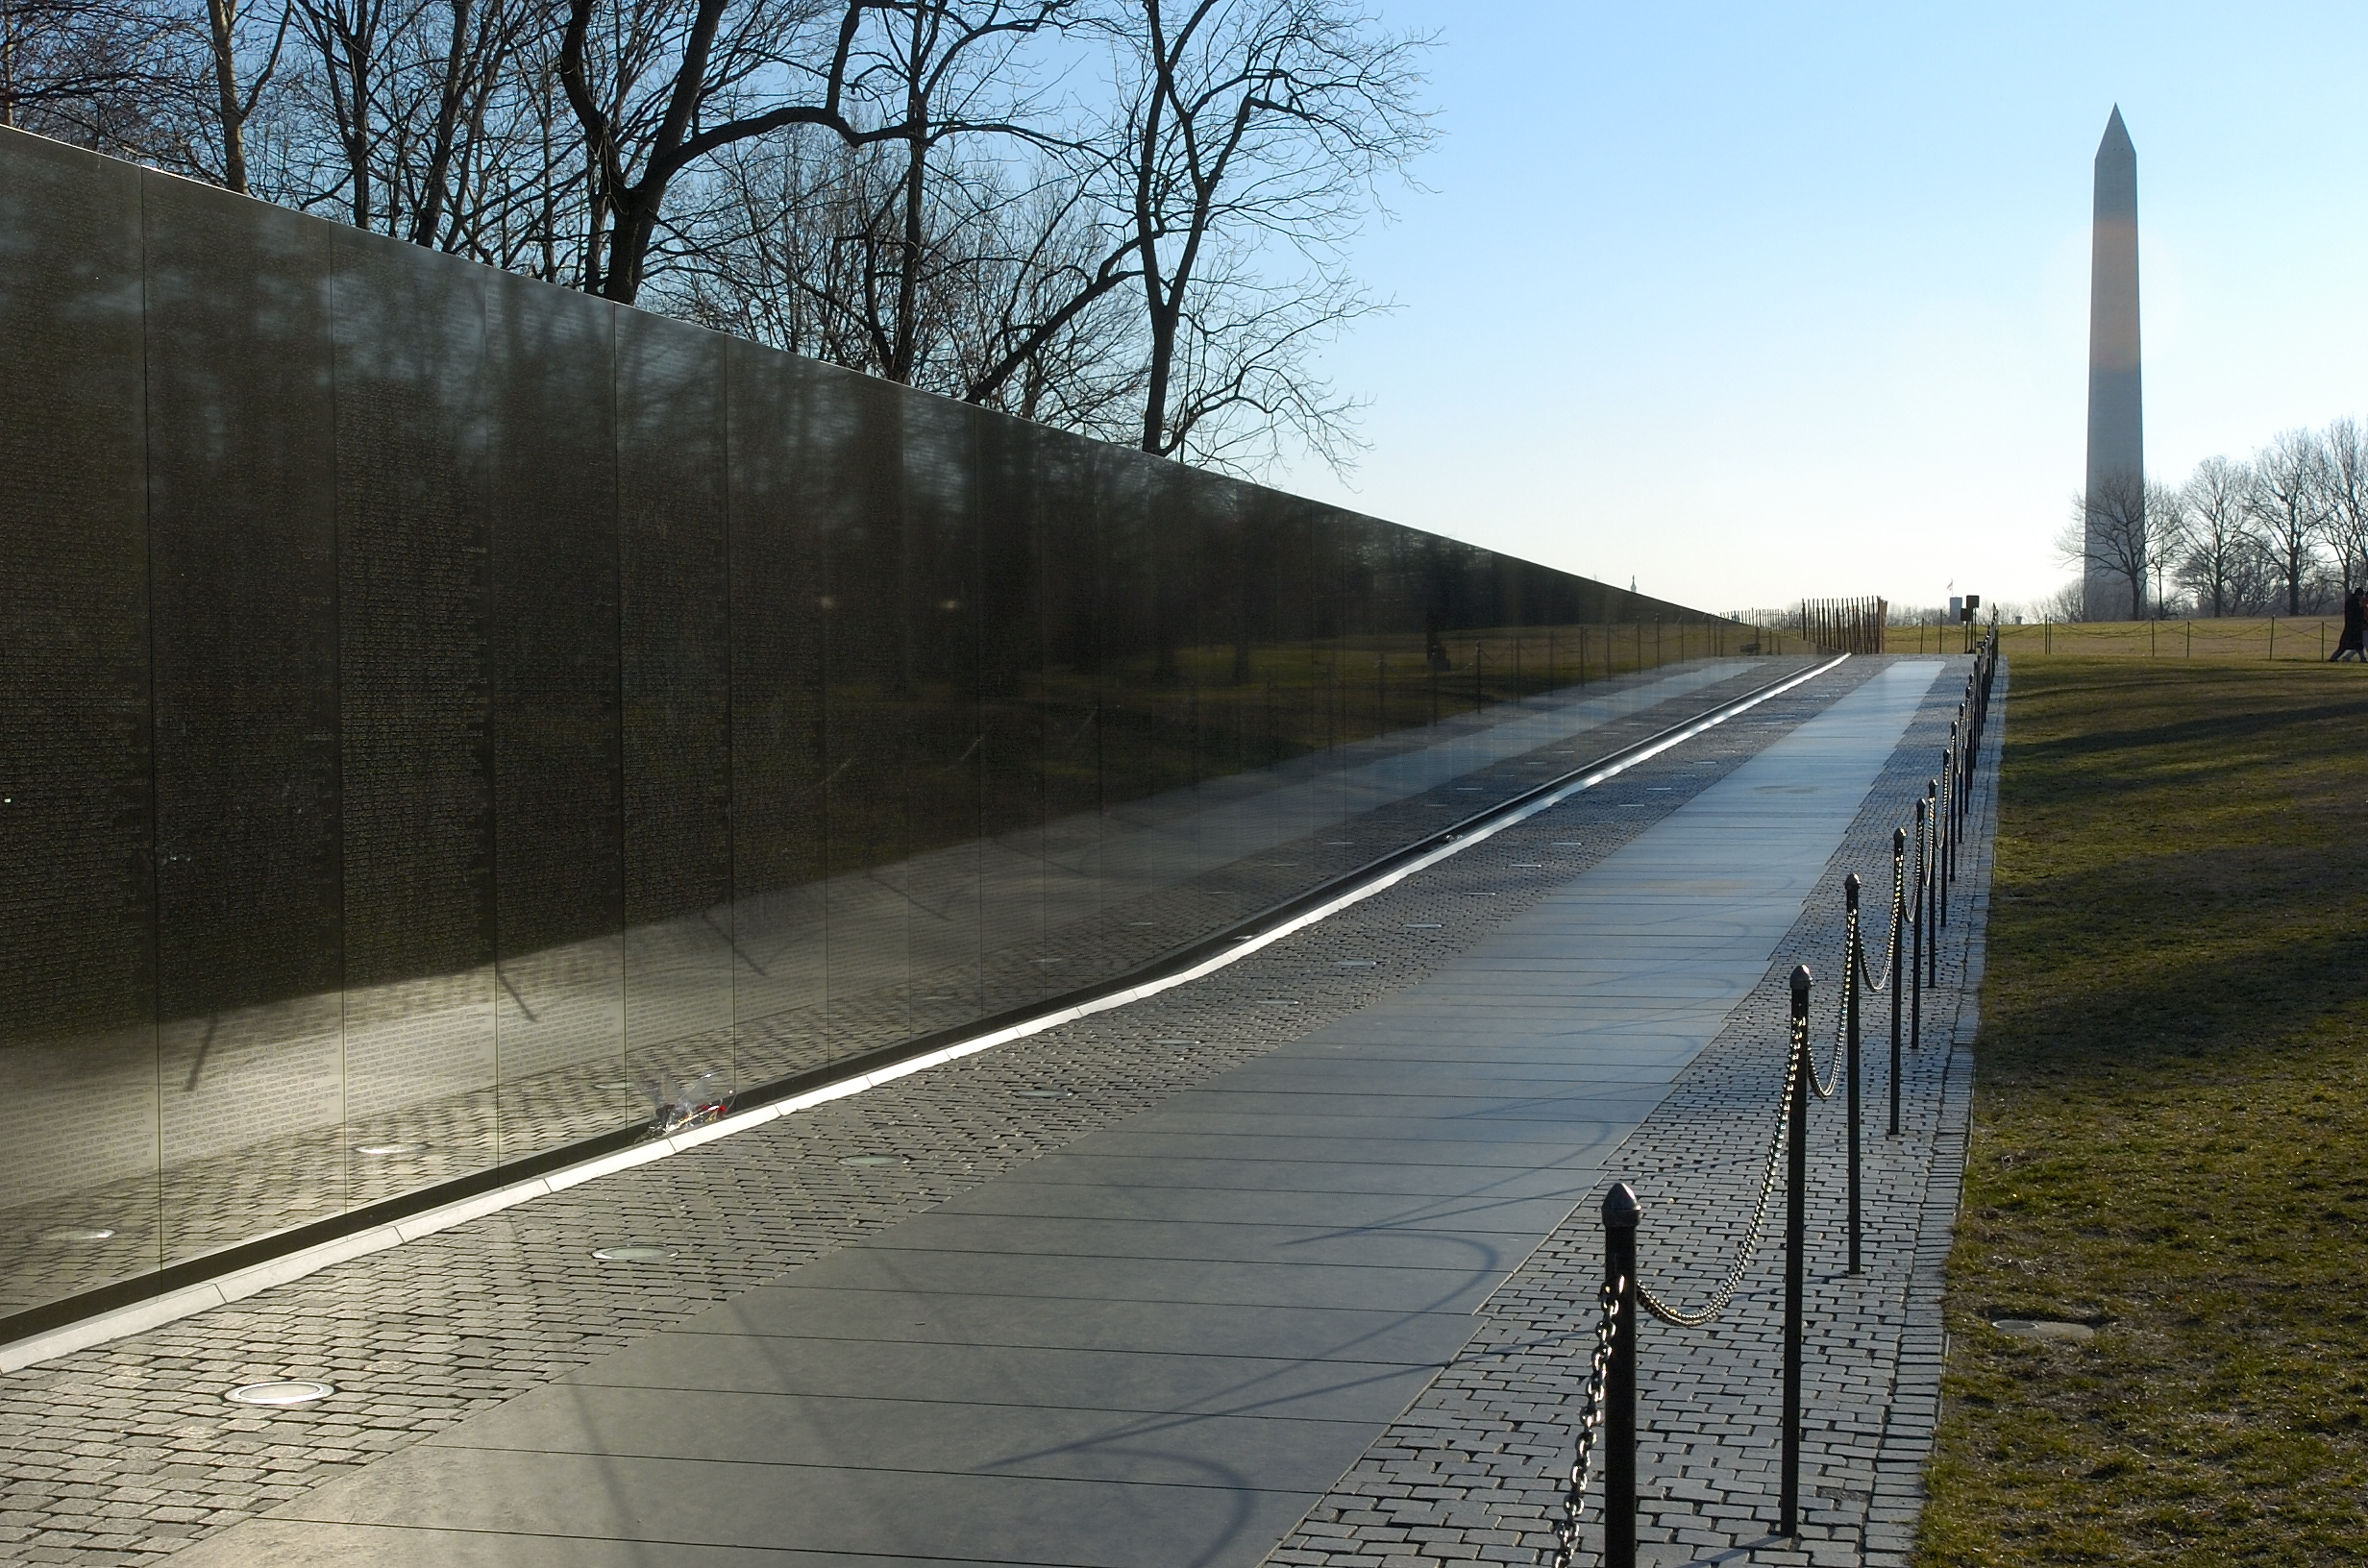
(1759, 301)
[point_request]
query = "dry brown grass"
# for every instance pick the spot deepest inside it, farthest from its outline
(2170, 1128)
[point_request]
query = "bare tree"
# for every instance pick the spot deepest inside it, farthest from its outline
(2110, 532)
(2289, 504)
(2344, 491)
(915, 188)
(1251, 127)
(2169, 528)
(2222, 563)
(2069, 603)
(89, 72)
(688, 78)
(232, 45)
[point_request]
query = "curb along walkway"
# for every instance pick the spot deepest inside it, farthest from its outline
(1151, 1289)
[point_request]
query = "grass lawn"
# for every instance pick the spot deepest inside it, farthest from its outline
(2170, 1135)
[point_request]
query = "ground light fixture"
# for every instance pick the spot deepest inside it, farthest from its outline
(635, 1251)
(872, 1160)
(284, 1391)
(391, 1151)
(77, 1232)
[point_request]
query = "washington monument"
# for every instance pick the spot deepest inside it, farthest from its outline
(2114, 574)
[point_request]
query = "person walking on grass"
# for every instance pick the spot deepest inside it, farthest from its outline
(2354, 626)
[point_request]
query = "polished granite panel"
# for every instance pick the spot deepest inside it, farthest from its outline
(414, 470)
(943, 890)
(564, 717)
(851, 483)
(776, 717)
(1012, 730)
(77, 961)
(244, 659)
(557, 763)
(675, 681)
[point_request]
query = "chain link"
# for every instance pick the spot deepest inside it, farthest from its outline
(1725, 1292)
(1852, 959)
(1591, 1423)
(1901, 919)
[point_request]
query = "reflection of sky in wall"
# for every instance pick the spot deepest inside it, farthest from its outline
(1720, 297)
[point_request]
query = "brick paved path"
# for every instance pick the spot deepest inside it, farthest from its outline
(1470, 1472)
(127, 1452)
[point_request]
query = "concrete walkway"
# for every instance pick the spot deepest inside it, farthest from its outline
(1166, 1341)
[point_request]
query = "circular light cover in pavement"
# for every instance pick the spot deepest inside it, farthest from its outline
(874, 1160)
(634, 1252)
(391, 1150)
(78, 1233)
(293, 1391)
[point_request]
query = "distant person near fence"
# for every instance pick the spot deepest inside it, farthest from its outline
(2355, 623)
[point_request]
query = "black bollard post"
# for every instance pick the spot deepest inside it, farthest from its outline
(1796, 1228)
(1899, 937)
(1915, 957)
(1850, 1027)
(1620, 1213)
(1957, 788)
(1940, 846)
(1929, 866)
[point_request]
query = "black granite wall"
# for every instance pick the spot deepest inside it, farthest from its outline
(441, 713)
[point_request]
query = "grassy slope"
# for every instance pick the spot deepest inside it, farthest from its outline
(2170, 1128)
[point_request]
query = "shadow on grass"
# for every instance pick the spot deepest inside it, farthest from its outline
(2171, 1131)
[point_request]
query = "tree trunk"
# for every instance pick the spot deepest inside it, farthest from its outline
(224, 22)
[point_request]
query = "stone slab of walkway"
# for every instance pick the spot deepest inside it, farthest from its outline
(1168, 1340)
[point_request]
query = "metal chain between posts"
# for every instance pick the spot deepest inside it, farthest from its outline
(1591, 1422)
(1824, 1087)
(1937, 842)
(1677, 1317)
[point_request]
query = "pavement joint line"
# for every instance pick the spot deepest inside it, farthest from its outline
(157, 1312)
